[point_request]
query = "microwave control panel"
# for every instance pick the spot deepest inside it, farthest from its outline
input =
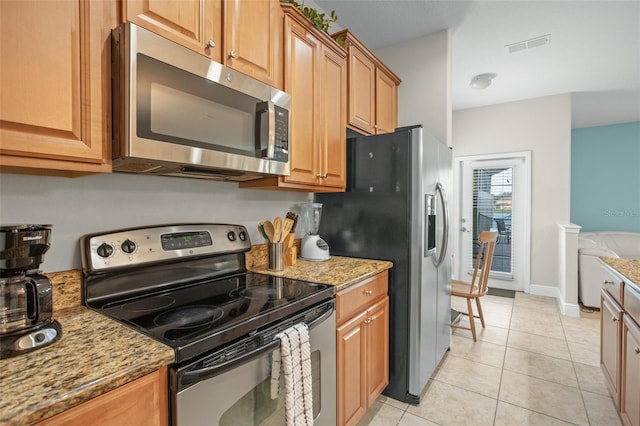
(281, 152)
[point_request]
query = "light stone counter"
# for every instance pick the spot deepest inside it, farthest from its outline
(93, 356)
(628, 270)
(338, 271)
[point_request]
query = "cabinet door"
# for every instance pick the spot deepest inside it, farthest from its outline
(141, 402)
(377, 323)
(361, 91)
(630, 392)
(332, 124)
(351, 369)
(386, 103)
(302, 84)
(195, 24)
(610, 340)
(252, 39)
(55, 91)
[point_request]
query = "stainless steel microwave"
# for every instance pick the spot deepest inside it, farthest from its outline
(178, 113)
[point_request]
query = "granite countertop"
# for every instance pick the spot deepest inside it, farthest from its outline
(93, 356)
(96, 354)
(338, 271)
(627, 269)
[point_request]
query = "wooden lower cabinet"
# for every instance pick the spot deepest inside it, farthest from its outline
(143, 402)
(362, 347)
(630, 377)
(610, 335)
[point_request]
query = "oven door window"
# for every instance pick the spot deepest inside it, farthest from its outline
(242, 396)
(257, 408)
(176, 106)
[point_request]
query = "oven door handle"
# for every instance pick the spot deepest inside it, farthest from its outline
(191, 377)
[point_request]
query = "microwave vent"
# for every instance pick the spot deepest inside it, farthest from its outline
(136, 167)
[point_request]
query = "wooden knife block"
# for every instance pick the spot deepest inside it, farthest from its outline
(290, 251)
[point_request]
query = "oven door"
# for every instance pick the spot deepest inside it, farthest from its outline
(240, 395)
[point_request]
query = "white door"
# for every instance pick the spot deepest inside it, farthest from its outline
(495, 195)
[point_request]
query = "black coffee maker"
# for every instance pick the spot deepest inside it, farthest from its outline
(26, 301)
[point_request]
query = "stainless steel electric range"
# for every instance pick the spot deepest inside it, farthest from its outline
(187, 286)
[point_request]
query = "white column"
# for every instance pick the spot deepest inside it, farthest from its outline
(568, 268)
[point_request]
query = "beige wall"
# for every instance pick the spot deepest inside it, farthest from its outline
(542, 126)
(424, 96)
(112, 201)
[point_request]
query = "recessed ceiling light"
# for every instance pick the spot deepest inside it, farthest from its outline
(482, 81)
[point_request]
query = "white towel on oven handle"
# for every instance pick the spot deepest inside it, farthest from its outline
(294, 360)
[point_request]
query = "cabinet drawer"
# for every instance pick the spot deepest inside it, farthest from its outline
(632, 302)
(613, 286)
(358, 297)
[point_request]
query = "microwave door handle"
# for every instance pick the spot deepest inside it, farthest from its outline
(266, 149)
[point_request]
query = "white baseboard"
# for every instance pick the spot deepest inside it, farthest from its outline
(567, 309)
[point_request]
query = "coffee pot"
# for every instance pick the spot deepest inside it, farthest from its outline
(26, 300)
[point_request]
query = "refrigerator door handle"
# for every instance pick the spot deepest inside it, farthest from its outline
(442, 248)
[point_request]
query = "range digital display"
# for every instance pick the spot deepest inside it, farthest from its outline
(186, 240)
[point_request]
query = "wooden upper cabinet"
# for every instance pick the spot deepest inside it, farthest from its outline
(195, 24)
(373, 89)
(302, 83)
(253, 39)
(362, 90)
(386, 103)
(315, 75)
(333, 119)
(55, 87)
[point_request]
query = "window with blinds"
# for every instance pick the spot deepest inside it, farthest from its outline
(492, 197)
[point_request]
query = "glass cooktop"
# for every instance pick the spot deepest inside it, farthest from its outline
(200, 317)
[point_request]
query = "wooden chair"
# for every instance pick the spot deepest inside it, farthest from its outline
(478, 285)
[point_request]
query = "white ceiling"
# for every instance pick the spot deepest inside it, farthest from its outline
(594, 51)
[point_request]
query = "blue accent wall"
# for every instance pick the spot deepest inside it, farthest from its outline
(605, 177)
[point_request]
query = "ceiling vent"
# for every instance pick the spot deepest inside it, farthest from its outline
(529, 44)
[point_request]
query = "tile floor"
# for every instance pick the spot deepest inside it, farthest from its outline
(530, 366)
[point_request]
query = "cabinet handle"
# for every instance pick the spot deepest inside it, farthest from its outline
(233, 54)
(614, 319)
(211, 44)
(637, 350)
(368, 292)
(372, 319)
(608, 282)
(321, 175)
(367, 321)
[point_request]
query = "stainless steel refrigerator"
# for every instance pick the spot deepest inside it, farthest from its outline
(395, 208)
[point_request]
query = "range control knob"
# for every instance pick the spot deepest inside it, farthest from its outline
(243, 236)
(231, 236)
(128, 246)
(104, 250)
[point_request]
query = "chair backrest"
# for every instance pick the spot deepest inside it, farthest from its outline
(482, 268)
(501, 225)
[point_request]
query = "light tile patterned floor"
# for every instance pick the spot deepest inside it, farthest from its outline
(530, 366)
